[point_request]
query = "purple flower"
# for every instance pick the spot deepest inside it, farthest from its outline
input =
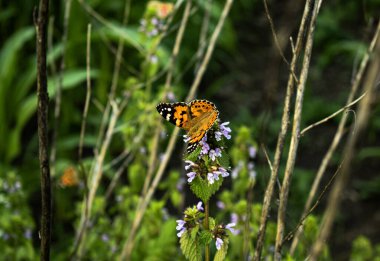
(170, 96)
(153, 59)
(189, 164)
(220, 204)
(180, 224)
(218, 135)
(28, 233)
(210, 178)
(154, 21)
(234, 218)
(180, 184)
(186, 138)
(237, 169)
(205, 146)
(180, 227)
(105, 237)
(230, 228)
(191, 176)
(180, 233)
(199, 206)
(218, 243)
(154, 32)
(225, 130)
(215, 153)
(222, 171)
(252, 152)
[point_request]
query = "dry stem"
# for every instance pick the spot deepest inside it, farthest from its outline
(295, 133)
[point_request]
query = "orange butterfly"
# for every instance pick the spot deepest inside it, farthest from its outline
(69, 178)
(196, 117)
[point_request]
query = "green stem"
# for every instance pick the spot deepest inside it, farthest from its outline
(207, 227)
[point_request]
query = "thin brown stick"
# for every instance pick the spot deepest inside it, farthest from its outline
(128, 246)
(281, 136)
(88, 93)
(42, 115)
(336, 140)
(58, 96)
(295, 133)
(332, 115)
(274, 33)
(349, 153)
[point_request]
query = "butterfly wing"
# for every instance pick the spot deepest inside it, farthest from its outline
(203, 115)
(176, 113)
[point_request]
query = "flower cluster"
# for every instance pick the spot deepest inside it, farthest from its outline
(220, 232)
(192, 218)
(252, 152)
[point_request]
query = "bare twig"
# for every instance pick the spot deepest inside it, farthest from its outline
(88, 93)
(42, 115)
(203, 35)
(58, 96)
(128, 246)
(332, 115)
(274, 33)
(281, 137)
(349, 152)
(267, 157)
(336, 140)
(295, 133)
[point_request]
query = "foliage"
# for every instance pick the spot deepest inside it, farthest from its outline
(236, 80)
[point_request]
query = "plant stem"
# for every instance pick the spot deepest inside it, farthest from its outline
(207, 227)
(42, 114)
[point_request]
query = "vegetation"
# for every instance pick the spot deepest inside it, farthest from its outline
(271, 184)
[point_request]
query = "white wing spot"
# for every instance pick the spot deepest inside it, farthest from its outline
(168, 117)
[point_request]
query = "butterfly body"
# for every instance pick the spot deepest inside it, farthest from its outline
(196, 117)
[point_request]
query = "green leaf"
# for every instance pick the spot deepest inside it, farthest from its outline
(205, 237)
(222, 252)
(190, 248)
(224, 161)
(203, 190)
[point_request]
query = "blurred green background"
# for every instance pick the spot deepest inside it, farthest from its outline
(246, 79)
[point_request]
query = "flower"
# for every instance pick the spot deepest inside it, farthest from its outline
(28, 233)
(205, 146)
(153, 58)
(180, 224)
(199, 206)
(237, 169)
(225, 130)
(186, 138)
(218, 243)
(210, 178)
(231, 229)
(105, 238)
(252, 152)
(191, 176)
(218, 135)
(189, 164)
(222, 171)
(180, 184)
(220, 204)
(215, 153)
(234, 218)
(180, 227)
(180, 233)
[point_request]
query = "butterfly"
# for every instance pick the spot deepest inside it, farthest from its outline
(196, 117)
(69, 178)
